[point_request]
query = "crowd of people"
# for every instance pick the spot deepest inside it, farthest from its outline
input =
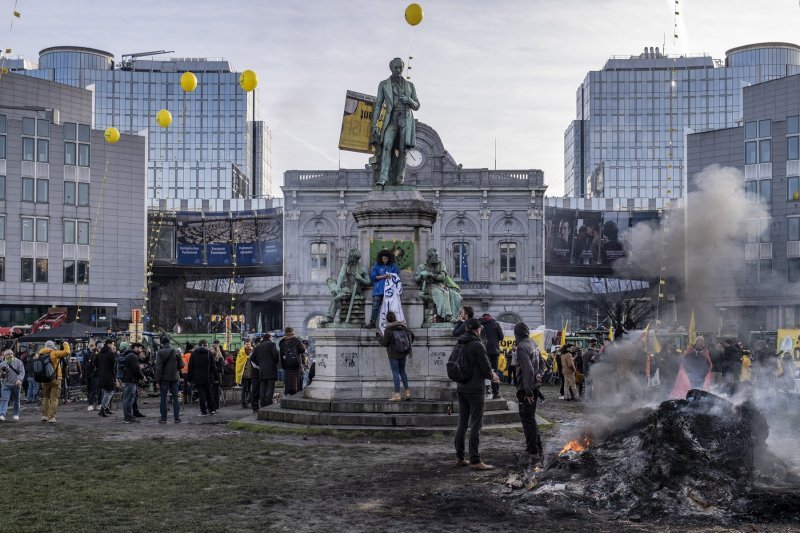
(108, 370)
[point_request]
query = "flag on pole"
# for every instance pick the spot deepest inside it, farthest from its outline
(611, 332)
(656, 344)
(692, 330)
(564, 334)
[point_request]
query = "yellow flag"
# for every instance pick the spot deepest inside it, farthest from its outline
(564, 334)
(611, 332)
(692, 331)
(656, 344)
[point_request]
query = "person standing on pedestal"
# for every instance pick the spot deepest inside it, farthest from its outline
(397, 339)
(383, 268)
(398, 132)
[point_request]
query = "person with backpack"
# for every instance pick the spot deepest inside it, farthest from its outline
(47, 371)
(167, 375)
(106, 375)
(202, 373)
(74, 372)
(265, 361)
(292, 351)
(12, 374)
(492, 334)
(33, 385)
(473, 368)
(397, 339)
(528, 383)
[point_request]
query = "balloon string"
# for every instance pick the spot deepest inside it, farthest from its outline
(410, 56)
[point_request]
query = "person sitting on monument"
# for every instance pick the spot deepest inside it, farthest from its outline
(383, 268)
(352, 276)
(438, 287)
(397, 339)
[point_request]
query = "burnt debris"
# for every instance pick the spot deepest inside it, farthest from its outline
(698, 458)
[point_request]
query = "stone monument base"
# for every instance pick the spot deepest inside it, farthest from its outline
(351, 364)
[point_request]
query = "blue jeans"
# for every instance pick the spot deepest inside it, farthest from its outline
(128, 398)
(166, 387)
(33, 389)
(398, 373)
(106, 398)
(93, 391)
(377, 301)
(9, 394)
(281, 375)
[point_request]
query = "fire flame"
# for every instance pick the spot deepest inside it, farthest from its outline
(577, 445)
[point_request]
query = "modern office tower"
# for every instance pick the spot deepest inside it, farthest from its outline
(72, 208)
(758, 289)
(627, 140)
(216, 148)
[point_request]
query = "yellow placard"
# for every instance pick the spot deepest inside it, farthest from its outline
(789, 341)
(507, 342)
(357, 121)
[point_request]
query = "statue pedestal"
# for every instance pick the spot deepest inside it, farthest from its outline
(351, 364)
(398, 214)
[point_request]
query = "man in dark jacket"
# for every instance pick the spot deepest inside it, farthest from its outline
(528, 382)
(130, 381)
(492, 334)
(167, 369)
(202, 372)
(267, 359)
(90, 376)
(471, 396)
(106, 375)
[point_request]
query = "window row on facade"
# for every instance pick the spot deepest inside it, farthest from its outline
(458, 268)
(37, 190)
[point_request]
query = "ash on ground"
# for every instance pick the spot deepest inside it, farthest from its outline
(702, 458)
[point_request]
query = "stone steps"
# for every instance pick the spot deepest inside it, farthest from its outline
(383, 406)
(379, 419)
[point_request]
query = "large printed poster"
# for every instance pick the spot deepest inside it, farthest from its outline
(245, 235)
(218, 239)
(269, 223)
(589, 243)
(789, 341)
(189, 239)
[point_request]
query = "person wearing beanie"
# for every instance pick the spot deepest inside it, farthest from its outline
(471, 396)
(167, 369)
(52, 389)
(528, 381)
(12, 374)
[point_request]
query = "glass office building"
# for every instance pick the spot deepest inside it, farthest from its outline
(627, 140)
(216, 147)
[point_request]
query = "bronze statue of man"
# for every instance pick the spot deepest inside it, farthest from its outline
(398, 132)
(352, 278)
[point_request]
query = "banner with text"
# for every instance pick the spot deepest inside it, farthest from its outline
(357, 121)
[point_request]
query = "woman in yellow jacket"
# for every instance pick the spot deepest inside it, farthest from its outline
(243, 370)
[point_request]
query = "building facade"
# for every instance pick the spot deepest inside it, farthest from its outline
(216, 147)
(761, 291)
(627, 139)
(489, 233)
(72, 207)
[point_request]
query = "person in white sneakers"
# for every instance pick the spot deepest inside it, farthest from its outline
(12, 374)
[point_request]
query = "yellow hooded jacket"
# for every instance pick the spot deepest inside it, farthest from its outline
(56, 356)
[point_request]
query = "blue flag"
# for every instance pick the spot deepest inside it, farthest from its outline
(464, 263)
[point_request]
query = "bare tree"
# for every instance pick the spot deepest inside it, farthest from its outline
(625, 304)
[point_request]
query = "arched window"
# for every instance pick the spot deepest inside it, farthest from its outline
(508, 318)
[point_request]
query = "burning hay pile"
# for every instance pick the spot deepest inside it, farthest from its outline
(702, 457)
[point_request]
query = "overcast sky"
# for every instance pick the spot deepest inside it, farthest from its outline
(484, 69)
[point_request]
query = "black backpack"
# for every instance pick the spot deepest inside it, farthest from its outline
(120, 365)
(43, 369)
(400, 341)
(291, 358)
(458, 366)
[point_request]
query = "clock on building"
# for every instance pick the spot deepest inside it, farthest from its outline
(414, 158)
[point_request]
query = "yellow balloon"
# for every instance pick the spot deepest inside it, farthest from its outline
(248, 80)
(414, 14)
(164, 118)
(111, 135)
(188, 82)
